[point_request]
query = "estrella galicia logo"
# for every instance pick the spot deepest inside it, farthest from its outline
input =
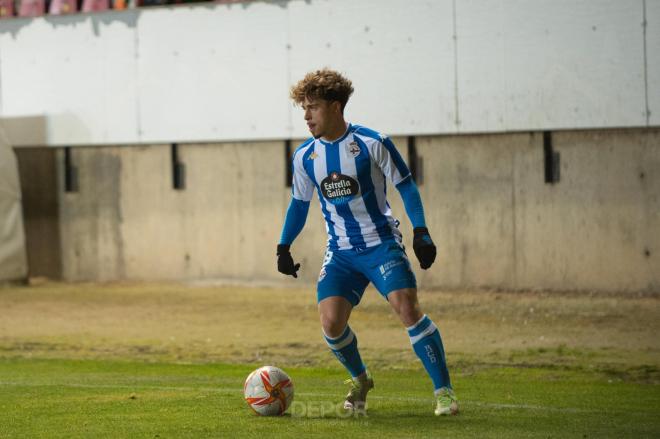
(339, 188)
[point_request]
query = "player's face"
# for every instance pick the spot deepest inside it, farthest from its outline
(320, 116)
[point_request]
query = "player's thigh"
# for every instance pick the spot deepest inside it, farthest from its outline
(389, 269)
(339, 278)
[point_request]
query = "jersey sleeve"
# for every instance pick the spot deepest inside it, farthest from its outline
(389, 160)
(302, 187)
(296, 215)
(412, 201)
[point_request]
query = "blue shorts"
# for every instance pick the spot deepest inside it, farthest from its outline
(346, 273)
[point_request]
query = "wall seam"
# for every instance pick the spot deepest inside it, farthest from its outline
(136, 40)
(1, 106)
(646, 67)
(288, 65)
(457, 119)
(514, 231)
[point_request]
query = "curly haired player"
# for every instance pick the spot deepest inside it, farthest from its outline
(348, 166)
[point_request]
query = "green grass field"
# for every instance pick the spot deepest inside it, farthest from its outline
(169, 361)
(66, 398)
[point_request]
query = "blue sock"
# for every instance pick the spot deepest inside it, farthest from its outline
(345, 349)
(426, 341)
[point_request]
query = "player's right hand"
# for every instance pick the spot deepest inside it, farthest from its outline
(285, 263)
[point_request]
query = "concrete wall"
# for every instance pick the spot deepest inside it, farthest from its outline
(599, 228)
(142, 78)
(127, 221)
(13, 258)
(495, 220)
(498, 224)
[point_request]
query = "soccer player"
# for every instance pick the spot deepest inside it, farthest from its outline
(348, 166)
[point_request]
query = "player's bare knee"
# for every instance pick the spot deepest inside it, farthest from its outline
(410, 315)
(405, 304)
(334, 313)
(408, 310)
(332, 326)
(333, 323)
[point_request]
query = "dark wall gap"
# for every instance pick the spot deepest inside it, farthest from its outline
(178, 169)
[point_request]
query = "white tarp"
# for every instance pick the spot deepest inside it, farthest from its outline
(13, 259)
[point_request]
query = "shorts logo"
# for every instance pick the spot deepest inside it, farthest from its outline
(322, 274)
(387, 267)
(339, 188)
(327, 258)
(353, 149)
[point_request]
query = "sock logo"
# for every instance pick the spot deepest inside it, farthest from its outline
(340, 356)
(430, 354)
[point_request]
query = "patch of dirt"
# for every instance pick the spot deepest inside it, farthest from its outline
(175, 322)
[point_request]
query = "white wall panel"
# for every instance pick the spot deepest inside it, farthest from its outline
(398, 53)
(75, 71)
(653, 59)
(213, 73)
(550, 64)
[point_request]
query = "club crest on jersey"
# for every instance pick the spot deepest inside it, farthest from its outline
(339, 188)
(353, 149)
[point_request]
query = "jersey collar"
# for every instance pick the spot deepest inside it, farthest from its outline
(341, 139)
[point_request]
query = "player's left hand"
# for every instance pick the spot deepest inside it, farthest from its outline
(423, 247)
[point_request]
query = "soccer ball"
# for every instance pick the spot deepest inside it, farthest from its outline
(268, 391)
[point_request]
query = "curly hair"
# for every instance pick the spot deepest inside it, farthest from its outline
(323, 84)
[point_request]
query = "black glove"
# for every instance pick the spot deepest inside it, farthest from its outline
(423, 247)
(285, 261)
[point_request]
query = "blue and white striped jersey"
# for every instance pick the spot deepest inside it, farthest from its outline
(349, 176)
